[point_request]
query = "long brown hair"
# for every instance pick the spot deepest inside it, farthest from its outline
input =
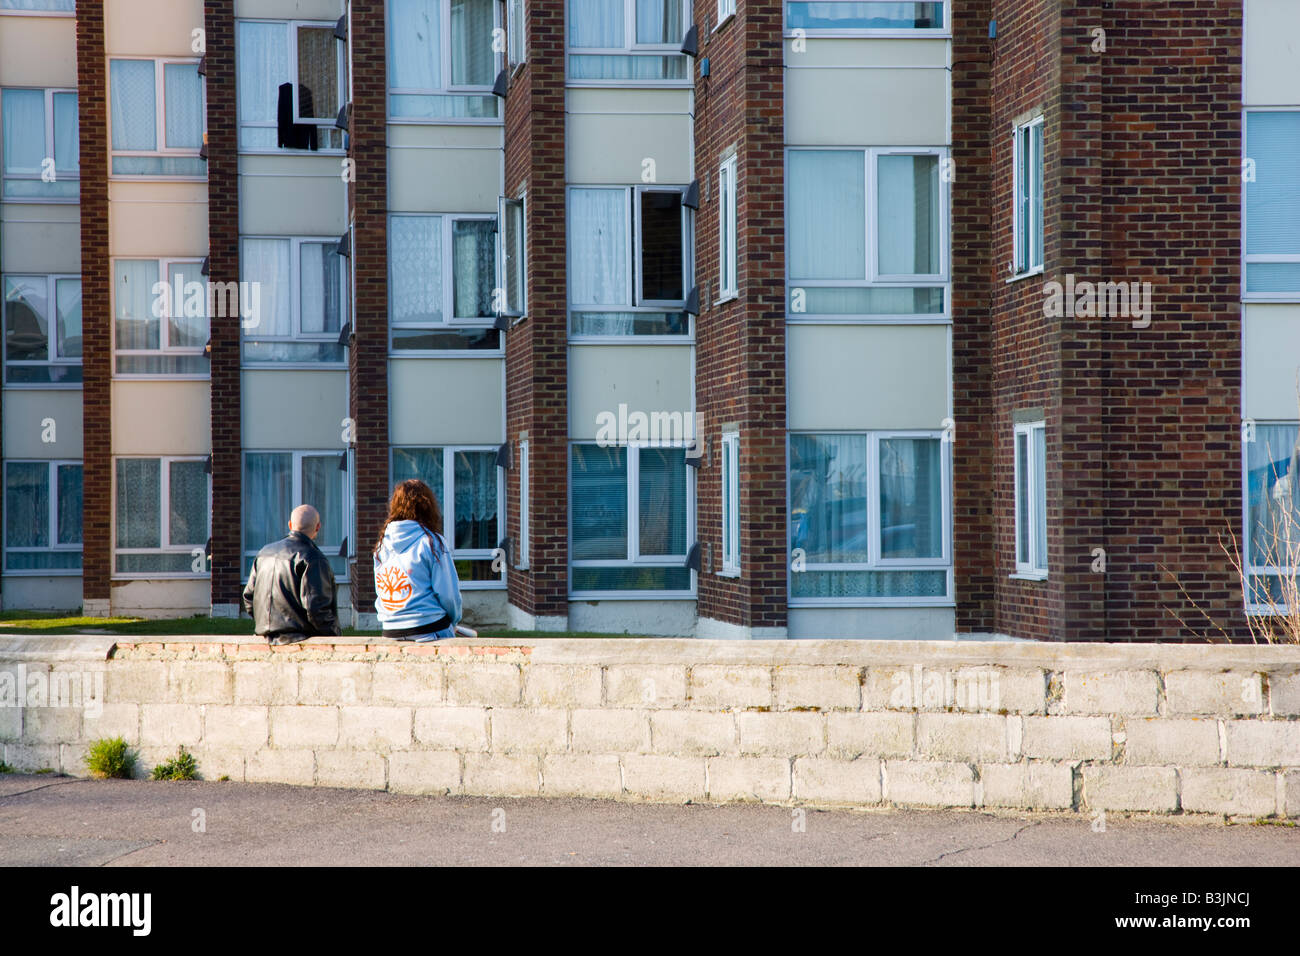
(412, 501)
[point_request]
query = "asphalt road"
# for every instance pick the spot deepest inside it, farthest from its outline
(51, 821)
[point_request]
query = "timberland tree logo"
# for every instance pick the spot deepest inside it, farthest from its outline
(1098, 300)
(393, 587)
(216, 300)
(74, 909)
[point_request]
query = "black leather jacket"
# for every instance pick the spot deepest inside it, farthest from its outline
(291, 589)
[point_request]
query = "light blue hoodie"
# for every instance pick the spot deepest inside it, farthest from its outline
(415, 579)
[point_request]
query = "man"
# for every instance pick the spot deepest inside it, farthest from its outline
(290, 593)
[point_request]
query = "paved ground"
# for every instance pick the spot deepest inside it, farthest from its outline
(59, 820)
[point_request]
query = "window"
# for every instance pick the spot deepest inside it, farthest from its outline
(1272, 236)
(291, 85)
(160, 317)
(865, 16)
(46, 6)
(866, 235)
(728, 221)
(441, 279)
(1031, 499)
(629, 261)
(726, 8)
(441, 64)
(465, 481)
(39, 351)
(631, 41)
(157, 117)
(730, 502)
(630, 514)
(514, 272)
(42, 516)
(869, 519)
(522, 562)
(41, 147)
(1272, 559)
(297, 288)
(1029, 198)
(517, 42)
(276, 482)
(163, 515)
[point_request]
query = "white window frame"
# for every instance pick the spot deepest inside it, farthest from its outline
(296, 495)
(447, 89)
(164, 327)
(516, 34)
(293, 27)
(874, 278)
(631, 47)
(1032, 565)
(524, 502)
(1252, 569)
(1024, 247)
(164, 533)
(728, 223)
(944, 31)
(634, 559)
(632, 203)
(61, 175)
(52, 328)
(730, 483)
(874, 560)
(1261, 258)
(160, 65)
(726, 10)
(295, 304)
(53, 531)
(521, 255)
(447, 500)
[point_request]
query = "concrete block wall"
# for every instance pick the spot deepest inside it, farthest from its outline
(1147, 728)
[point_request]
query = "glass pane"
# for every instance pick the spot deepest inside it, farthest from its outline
(189, 503)
(659, 21)
(176, 562)
(476, 499)
(476, 570)
(135, 104)
(629, 323)
(864, 15)
(444, 106)
(662, 501)
(67, 293)
(908, 215)
(446, 339)
(318, 73)
(869, 584)
(268, 485)
(322, 488)
(264, 265)
(27, 504)
(321, 298)
(24, 131)
(183, 98)
(1273, 497)
(597, 24)
(472, 61)
(1282, 277)
(414, 45)
(473, 243)
(728, 499)
(136, 324)
(828, 497)
(27, 336)
(160, 166)
(661, 247)
(415, 268)
(632, 579)
(513, 249)
(826, 221)
(187, 326)
(627, 67)
(139, 493)
(911, 498)
(262, 65)
(1040, 498)
(67, 149)
(69, 504)
(830, 300)
(1022, 498)
(599, 508)
(598, 253)
(1036, 195)
(63, 6)
(163, 363)
(1273, 198)
(424, 464)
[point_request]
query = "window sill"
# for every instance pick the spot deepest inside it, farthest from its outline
(1028, 576)
(43, 573)
(1026, 275)
(727, 297)
(920, 34)
(729, 573)
(723, 22)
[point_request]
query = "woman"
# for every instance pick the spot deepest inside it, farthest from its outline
(416, 587)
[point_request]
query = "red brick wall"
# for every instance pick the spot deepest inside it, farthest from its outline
(223, 251)
(536, 349)
(96, 397)
(368, 356)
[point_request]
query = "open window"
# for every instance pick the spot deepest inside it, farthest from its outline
(292, 83)
(513, 261)
(1028, 207)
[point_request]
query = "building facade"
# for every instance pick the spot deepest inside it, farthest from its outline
(732, 319)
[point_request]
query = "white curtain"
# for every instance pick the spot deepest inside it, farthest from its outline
(183, 99)
(60, 6)
(414, 45)
(186, 331)
(67, 152)
(268, 483)
(265, 264)
(826, 218)
(134, 108)
(415, 268)
(24, 130)
(907, 191)
(134, 301)
(659, 21)
(596, 24)
(472, 59)
(598, 247)
(322, 488)
(319, 299)
(263, 66)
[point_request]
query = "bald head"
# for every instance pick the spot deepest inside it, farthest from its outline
(306, 519)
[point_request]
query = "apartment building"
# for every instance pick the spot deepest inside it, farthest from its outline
(785, 318)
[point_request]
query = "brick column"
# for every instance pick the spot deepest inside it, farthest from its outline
(537, 348)
(740, 346)
(368, 355)
(223, 251)
(97, 328)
